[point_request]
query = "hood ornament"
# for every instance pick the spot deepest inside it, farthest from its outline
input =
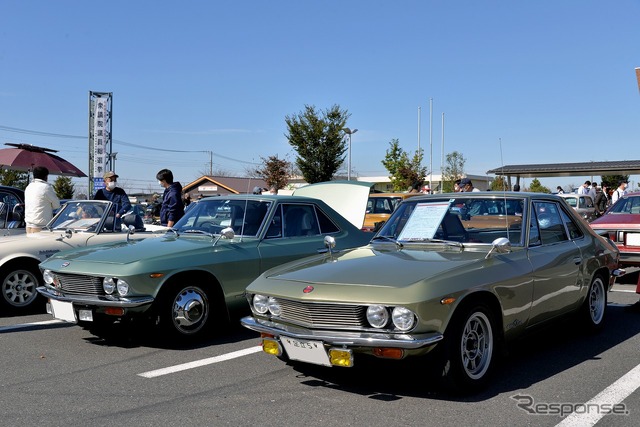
(308, 289)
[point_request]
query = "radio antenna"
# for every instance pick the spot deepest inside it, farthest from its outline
(504, 190)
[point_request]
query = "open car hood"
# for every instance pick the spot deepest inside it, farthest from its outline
(348, 198)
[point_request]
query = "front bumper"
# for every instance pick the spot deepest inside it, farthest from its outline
(344, 338)
(95, 300)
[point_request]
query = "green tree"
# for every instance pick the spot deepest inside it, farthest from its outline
(319, 141)
(453, 170)
(537, 187)
(63, 187)
(499, 183)
(404, 172)
(274, 171)
(14, 178)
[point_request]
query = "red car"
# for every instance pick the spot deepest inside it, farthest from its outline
(622, 225)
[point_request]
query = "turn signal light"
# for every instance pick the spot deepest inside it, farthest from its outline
(389, 353)
(114, 311)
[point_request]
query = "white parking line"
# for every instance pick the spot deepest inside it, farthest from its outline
(29, 325)
(610, 396)
(202, 362)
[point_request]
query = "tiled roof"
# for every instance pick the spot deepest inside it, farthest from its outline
(225, 184)
(624, 167)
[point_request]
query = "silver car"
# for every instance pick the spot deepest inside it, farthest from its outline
(582, 203)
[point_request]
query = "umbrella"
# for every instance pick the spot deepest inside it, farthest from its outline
(24, 157)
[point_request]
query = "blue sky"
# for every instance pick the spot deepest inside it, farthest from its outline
(554, 81)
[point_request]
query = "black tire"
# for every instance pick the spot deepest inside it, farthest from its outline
(18, 283)
(593, 309)
(469, 349)
(184, 312)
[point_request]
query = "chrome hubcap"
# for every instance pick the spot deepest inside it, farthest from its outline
(596, 301)
(190, 310)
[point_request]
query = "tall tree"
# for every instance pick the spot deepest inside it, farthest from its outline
(14, 178)
(612, 181)
(537, 187)
(453, 170)
(274, 171)
(63, 187)
(403, 171)
(319, 141)
(499, 183)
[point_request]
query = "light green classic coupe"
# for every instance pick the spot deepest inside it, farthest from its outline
(459, 273)
(196, 274)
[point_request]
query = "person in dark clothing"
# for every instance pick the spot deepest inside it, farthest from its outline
(601, 201)
(114, 194)
(172, 206)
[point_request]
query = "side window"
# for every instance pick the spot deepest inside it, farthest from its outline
(326, 225)
(574, 230)
(275, 227)
(534, 232)
(299, 220)
(550, 223)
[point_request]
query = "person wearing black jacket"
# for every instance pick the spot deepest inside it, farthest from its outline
(172, 205)
(114, 194)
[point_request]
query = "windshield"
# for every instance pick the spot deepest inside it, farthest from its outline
(458, 219)
(246, 217)
(626, 205)
(82, 215)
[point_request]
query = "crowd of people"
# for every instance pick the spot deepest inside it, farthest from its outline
(41, 199)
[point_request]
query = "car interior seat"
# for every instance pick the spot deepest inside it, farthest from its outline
(135, 220)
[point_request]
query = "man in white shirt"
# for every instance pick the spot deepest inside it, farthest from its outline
(584, 188)
(592, 190)
(39, 201)
(619, 192)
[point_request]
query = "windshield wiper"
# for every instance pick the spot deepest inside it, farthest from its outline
(446, 242)
(389, 239)
(194, 231)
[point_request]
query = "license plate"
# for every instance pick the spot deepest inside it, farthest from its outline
(633, 239)
(305, 351)
(63, 310)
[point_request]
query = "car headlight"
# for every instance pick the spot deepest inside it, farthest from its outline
(260, 303)
(377, 316)
(47, 275)
(274, 306)
(403, 318)
(109, 285)
(123, 287)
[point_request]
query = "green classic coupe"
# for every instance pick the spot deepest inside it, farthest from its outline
(459, 273)
(195, 275)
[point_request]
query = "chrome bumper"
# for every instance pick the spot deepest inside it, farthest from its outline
(346, 338)
(95, 300)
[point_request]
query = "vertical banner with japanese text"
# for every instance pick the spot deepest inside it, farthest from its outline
(99, 138)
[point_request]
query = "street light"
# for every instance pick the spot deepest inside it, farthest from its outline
(349, 132)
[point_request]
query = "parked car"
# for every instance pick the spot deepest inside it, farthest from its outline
(11, 211)
(380, 206)
(438, 277)
(195, 276)
(582, 203)
(621, 224)
(79, 223)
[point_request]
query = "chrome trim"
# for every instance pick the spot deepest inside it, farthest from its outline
(356, 339)
(97, 300)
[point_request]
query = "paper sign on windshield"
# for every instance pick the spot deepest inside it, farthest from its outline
(424, 221)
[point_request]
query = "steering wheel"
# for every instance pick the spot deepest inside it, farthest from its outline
(212, 226)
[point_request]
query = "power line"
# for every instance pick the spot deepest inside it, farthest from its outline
(129, 144)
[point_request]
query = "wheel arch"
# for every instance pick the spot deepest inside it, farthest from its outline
(207, 281)
(482, 297)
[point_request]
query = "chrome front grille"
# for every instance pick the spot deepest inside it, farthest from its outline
(79, 284)
(323, 315)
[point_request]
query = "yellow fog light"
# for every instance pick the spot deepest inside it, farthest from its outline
(271, 346)
(341, 357)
